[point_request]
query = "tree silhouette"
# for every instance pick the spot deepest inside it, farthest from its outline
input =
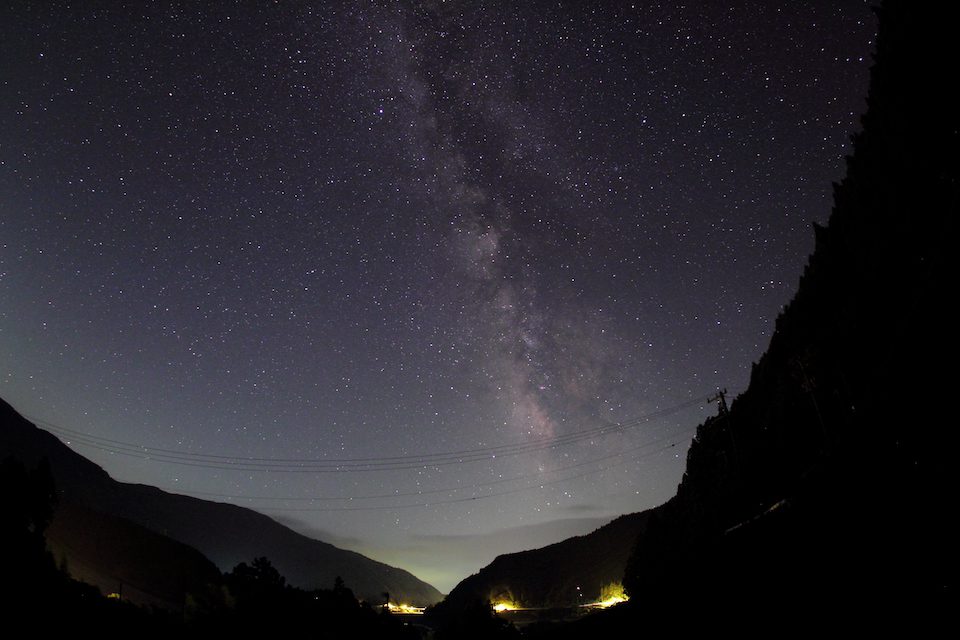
(27, 498)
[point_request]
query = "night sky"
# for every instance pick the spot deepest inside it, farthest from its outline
(432, 281)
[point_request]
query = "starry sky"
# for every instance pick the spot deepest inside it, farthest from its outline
(428, 280)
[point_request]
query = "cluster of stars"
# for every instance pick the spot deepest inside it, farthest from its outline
(295, 231)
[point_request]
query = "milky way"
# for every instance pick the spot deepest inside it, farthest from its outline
(238, 244)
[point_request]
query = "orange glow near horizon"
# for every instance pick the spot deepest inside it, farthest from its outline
(404, 608)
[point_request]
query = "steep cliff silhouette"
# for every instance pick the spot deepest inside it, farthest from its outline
(828, 482)
(226, 534)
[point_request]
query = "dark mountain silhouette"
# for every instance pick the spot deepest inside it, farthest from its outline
(569, 573)
(827, 483)
(824, 492)
(226, 534)
(252, 600)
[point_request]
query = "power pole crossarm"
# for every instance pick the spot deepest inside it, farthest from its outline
(720, 397)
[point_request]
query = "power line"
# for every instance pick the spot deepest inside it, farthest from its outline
(389, 460)
(328, 467)
(538, 485)
(385, 463)
(391, 463)
(436, 491)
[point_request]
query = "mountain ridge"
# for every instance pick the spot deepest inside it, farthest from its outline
(226, 534)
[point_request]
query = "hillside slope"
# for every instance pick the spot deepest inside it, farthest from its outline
(227, 534)
(568, 573)
(118, 556)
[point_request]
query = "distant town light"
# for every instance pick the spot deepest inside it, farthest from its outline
(404, 608)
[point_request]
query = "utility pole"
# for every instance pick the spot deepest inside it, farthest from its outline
(720, 397)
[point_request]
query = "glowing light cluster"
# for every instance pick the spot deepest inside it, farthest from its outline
(610, 594)
(404, 608)
(609, 602)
